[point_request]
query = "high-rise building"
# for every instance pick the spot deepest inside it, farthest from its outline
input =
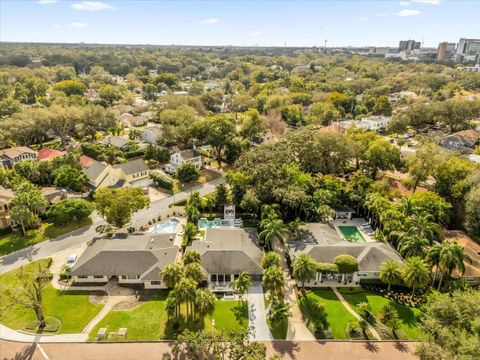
(468, 50)
(404, 45)
(446, 51)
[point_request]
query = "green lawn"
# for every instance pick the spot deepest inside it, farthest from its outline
(16, 241)
(149, 320)
(72, 308)
(409, 316)
(336, 315)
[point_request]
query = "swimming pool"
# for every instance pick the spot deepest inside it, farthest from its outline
(166, 227)
(351, 233)
(204, 224)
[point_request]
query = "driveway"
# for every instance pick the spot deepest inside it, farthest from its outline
(256, 313)
(48, 248)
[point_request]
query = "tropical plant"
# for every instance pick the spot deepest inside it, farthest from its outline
(304, 269)
(390, 273)
(191, 256)
(279, 311)
(423, 226)
(204, 302)
(273, 281)
(452, 257)
(194, 271)
(242, 284)
(270, 259)
(273, 229)
(294, 228)
(171, 274)
(185, 293)
(415, 273)
(413, 245)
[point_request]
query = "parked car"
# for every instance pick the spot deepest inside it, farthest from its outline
(72, 259)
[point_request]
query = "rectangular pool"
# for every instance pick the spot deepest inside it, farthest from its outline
(351, 233)
(166, 227)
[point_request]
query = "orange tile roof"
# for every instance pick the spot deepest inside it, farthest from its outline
(46, 154)
(470, 247)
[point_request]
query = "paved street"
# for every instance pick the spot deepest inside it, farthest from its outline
(48, 248)
(287, 350)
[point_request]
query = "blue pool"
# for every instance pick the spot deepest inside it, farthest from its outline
(166, 227)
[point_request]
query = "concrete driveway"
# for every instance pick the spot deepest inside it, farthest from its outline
(256, 313)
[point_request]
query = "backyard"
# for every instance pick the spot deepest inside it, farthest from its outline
(16, 241)
(409, 316)
(72, 308)
(148, 321)
(335, 313)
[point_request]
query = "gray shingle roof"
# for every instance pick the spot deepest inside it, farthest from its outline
(117, 141)
(132, 166)
(94, 170)
(230, 251)
(142, 255)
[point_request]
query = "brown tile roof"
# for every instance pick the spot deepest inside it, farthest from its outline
(470, 247)
(16, 151)
(471, 135)
(46, 154)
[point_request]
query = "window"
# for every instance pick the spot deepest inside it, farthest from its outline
(213, 277)
(155, 282)
(221, 277)
(130, 277)
(227, 277)
(82, 276)
(98, 276)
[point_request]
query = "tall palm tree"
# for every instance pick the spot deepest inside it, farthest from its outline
(412, 245)
(294, 227)
(452, 257)
(171, 274)
(191, 256)
(273, 229)
(273, 281)
(433, 259)
(270, 259)
(194, 271)
(242, 284)
(390, 273)
(304, 269)
(415, 273)
(185, 292)
(423, 226)
(204, 302)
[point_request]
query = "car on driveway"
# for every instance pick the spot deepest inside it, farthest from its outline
(72, 259)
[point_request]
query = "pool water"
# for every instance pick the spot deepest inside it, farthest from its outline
(166, 227)
(351, 233)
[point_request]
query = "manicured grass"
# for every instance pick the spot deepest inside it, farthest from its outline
(72, 308)
(149, 320)
(143, 323)
(336, 315)
(410, 317)
(16, 241)
(205, 176)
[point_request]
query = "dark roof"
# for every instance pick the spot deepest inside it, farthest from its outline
(132, 166)
(117, 141)
(189, 154)
(94, 170)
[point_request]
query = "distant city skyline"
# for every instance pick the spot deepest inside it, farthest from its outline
(240, 23)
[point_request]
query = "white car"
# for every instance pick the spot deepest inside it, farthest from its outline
(72, 259)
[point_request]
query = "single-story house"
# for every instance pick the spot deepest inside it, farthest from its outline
(376, 123)
(98, 173)
(128, 120)
(10, 156)
(472, 249)
(323, 243)
(179, 158)
(118, 141)
(344, 212)
(225, 252)
(151, 134)
(47, 154)
(131, 259)
(464, 141)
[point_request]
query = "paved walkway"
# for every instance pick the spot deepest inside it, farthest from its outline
(256, 313)
(297, 330)
(354, 313)
(287, 350)
(48, 248)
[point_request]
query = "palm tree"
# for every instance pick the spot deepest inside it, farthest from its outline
(185, 292)
(191, 256)
(412, 245)
(242, 284)
(452, 257)
(273, 281)
(204, 302)
(433, 259)
(294, 227)
(279, 312)
(415, 273)
(390, 273)
(194, 271)
(189, 232)
(273, 229)
(304, 269)
(423, 226)
(270, 259)
(171, 274)
(171, 305)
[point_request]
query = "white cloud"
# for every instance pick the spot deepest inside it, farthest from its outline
(78, 25)
(210, 21)
(46, 2)
(55, 26)
(363, 18)
(430, 2)
(405, 3)
(408, 12)
(256, 33)
(91, 6)
(382, 14)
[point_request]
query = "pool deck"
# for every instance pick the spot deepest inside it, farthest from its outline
(366, 232)
(178, 230)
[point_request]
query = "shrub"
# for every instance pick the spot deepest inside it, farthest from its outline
(69, 210)
(353, 329)
(388, 313)
(346, 264)
(188, 172)
(160, 180)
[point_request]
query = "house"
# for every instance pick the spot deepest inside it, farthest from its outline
(151, 134)
(10, 156)
(376, 123)
(344, 212)
(323, 243)
(6, 195)
(225, 252)
(118, 142)
(333, 128)
(132, 259)
(179, 158)
(464, 141)
(472, 249)
(133, 173)
(46, 154)
(129, 120)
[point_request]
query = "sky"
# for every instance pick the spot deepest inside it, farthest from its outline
(240, 23)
